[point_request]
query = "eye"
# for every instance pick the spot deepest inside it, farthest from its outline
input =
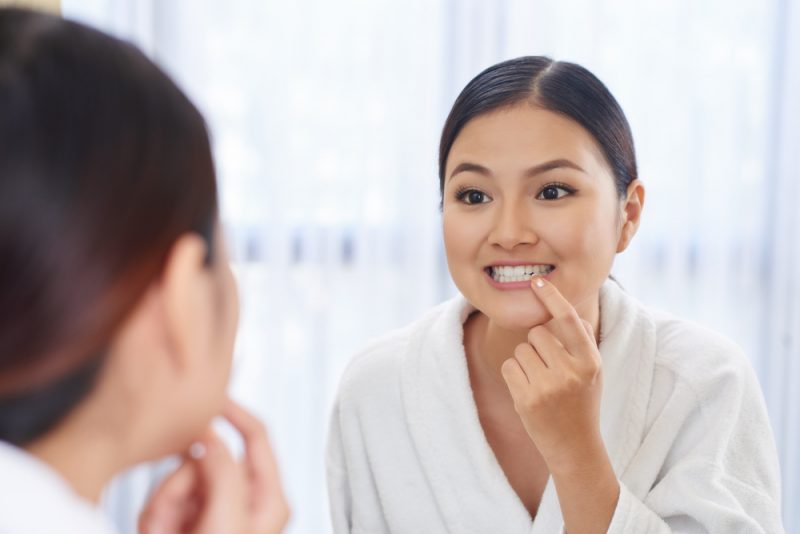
(473, 196)
(554, 192)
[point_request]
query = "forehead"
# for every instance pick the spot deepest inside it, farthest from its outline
(525, 134)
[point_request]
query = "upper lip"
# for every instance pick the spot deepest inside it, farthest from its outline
(514, 263)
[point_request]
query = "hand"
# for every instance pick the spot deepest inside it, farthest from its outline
(555, 380)
(212, 493)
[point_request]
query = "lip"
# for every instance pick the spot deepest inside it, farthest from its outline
(514, 263)
(510, 286)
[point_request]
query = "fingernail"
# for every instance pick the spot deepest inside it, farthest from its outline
(197, 450)
(538, 282)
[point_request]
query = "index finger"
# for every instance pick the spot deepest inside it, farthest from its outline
(563, 312)
(259, 458)
(558, 306)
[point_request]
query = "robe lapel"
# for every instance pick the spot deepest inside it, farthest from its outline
(627, 348)
(471, 491)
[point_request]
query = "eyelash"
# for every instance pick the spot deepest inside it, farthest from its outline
(557, 185)
(463, 191)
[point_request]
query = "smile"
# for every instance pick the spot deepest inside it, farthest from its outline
(517, 273)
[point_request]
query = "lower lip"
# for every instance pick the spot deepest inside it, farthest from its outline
(508, 286)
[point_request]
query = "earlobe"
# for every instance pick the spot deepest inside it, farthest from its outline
(627, 233)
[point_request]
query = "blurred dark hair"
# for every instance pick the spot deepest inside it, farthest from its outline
(557, 86)
(104, 164)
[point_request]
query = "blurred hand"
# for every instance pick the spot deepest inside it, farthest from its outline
(212, 493)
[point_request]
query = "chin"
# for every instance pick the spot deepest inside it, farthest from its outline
(515, 315)
(521, 321)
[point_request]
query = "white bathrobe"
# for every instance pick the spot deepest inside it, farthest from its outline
(35, 499)
(682, 416)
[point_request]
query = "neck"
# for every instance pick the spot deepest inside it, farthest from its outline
(489, 344)
(83, 455)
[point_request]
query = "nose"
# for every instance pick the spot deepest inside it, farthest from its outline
(512, 226)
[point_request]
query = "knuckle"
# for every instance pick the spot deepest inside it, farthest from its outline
(590, 370)
(522, 350)
(526, 403)
(550, 395)
(572, 321)
(507, 367)
(573, 382)
(531, 403)
(536, 333)
(532, 336)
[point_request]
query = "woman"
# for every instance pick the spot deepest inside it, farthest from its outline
(117, 305)
(546, 398)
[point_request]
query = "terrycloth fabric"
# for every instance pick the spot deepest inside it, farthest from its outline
(34, 499)
(682, 416)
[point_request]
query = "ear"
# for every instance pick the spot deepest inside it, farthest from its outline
(182, 290)
(631, 214)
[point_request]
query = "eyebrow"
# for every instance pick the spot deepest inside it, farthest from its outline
(533, 171)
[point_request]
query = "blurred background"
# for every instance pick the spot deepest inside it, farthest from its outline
(325, 116)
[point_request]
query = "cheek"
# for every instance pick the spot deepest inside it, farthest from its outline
(454, 232)
(462, 241)
(221, 324)
(229, 322)
(591, 240)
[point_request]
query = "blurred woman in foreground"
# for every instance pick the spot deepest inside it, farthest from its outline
(118, 309)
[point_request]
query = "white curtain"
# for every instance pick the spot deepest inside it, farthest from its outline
(325, 118)
(780, 326)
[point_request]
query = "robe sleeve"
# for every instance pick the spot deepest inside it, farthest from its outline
(711, 454)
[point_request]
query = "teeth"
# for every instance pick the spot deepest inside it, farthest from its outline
(518, 273)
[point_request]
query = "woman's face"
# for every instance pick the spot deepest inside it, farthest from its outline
(528, 191)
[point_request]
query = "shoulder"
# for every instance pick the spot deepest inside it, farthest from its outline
(680, 351)
(27, 483)
(705, 361)
(378, 363)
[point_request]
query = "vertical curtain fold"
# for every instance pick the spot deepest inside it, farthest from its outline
(781, 363)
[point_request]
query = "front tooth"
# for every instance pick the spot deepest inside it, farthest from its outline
(518, 273)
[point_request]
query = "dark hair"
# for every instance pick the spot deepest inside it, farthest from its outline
(104, 164)
(558, 86)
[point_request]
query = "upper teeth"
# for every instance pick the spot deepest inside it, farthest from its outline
(518, 273)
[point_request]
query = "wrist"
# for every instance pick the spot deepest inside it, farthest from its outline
(588, 459)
